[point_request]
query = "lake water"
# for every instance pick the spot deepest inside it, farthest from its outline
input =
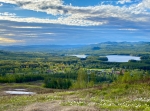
(121, 58)
(19, 92)
(80, 56)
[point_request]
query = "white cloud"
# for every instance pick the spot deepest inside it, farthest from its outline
(124, 1)
(129, 29)
(8, 40)
(37, 5)
(145, 4)
(48, 33)
(3, 30)
(9, 34)
(26, 27)
(29, 35)
(1, 5)
(80, 16)
(8, 14)
(65, 21)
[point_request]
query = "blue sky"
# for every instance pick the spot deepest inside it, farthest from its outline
(44, 22)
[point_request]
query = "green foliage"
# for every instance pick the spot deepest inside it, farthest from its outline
(58, 71)
(92, 77)
(133, 76)
(96, 48)
(116, 96)
(31, 66)
(57, 83)
(103, 58)
(20, 78)
(82, 76)
(82, 80)
(125, 48)
(127, 77)
(90, 84)
(96, 59)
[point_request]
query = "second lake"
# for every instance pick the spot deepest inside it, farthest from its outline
(121, 58)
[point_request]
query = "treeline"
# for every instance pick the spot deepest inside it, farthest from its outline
(133, 76)
(85, 80)
(145, 57)
(78, 79)
(21, 78)
(132, 64)
(39, 63)
(125, 48)
(57, 83)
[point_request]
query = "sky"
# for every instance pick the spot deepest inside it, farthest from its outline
(73, 22)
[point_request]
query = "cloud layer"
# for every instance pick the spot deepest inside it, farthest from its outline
(65, 24)
(124, 1)
(80, 16)
(8, 41)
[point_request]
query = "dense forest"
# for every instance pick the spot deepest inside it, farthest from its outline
(58, 70)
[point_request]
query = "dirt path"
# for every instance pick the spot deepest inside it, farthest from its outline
(55, 106)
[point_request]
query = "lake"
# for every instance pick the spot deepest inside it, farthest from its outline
(19, 92)
(121, 58)
(80, 56)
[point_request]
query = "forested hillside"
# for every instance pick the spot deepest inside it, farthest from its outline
(108, 85)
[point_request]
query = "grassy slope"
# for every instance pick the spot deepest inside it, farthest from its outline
(113, 97)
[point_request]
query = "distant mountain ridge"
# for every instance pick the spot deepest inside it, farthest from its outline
(40, 48)
(105, 47)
